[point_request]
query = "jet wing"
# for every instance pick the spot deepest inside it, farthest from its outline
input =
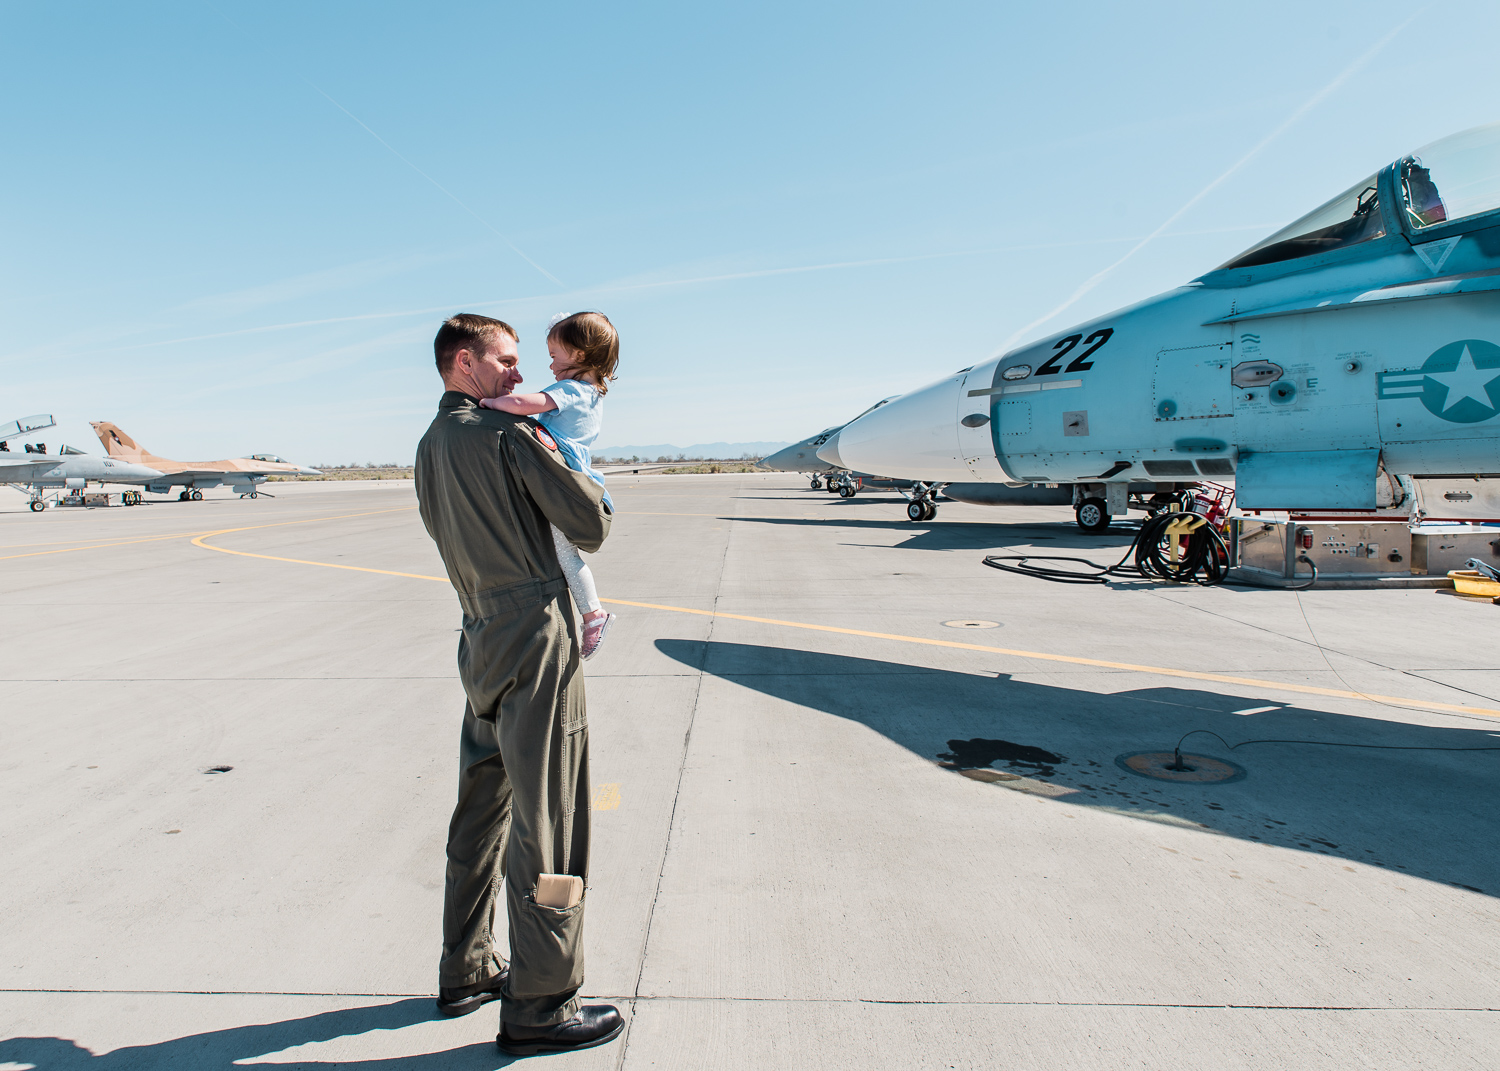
(1466, 283)
(26, 467)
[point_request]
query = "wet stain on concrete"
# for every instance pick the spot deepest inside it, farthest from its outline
(980, 752)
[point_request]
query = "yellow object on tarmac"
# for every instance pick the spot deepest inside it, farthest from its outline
(1473, 582)
(1177, 530)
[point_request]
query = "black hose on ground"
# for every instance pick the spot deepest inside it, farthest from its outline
(1202, 556)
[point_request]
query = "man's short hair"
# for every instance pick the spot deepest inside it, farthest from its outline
(467, 331)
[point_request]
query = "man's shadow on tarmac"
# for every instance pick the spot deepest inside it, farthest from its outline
(1424, 813)
(234, 1048)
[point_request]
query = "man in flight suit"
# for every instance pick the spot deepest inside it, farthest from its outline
(488, 483)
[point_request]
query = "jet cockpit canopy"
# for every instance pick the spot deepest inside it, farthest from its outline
(1351, 217)
(1453, 178)
(270, 457)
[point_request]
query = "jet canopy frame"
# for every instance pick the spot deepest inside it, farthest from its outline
(1447, 187)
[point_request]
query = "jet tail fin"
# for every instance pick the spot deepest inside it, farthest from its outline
(116, 442)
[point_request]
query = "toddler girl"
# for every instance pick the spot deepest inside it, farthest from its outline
(585, 350)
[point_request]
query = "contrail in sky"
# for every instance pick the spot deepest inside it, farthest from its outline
(620, 288)
(1316, 99)
(446, 192)
(449, 193)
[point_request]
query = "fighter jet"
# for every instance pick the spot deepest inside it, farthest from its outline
(18, 466)
(1349, 361)
(243, 474)
(803, 458)
(36, 470)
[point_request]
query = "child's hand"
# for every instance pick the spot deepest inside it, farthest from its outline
(490, 403)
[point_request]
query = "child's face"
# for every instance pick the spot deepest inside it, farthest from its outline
(564, 360)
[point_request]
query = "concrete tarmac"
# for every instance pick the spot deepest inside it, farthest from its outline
(833, 828)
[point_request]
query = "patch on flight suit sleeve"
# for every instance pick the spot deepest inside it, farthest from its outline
(545, 438)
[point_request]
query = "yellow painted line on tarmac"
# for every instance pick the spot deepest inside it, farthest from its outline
(1218, 678)
(184, 535)
(198, 542)
(96, 546)
(1130, 667)
(606, 798)
(302, 561)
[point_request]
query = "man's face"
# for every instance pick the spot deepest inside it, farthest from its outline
(495, 371)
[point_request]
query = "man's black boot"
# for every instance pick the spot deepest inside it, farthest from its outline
(593, 1025)
(461, 1000)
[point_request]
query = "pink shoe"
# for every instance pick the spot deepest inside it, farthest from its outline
(593, 636)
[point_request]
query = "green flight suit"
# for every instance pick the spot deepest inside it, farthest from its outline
(488, 483)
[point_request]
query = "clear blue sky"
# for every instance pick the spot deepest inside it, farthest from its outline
(789, 210)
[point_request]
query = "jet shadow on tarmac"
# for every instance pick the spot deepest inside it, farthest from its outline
(223, 1050)
(1428, 814)
(969, 535)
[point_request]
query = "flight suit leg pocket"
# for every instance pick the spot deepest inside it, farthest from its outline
(547, 957)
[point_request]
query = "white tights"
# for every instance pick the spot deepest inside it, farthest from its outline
(580, 580)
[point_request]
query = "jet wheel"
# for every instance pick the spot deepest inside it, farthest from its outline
(847, 491)
(916, 510)
(832, 488)
(37, 505)
(197, 495)
(929, 509)
(1092, 515)
(817, 484)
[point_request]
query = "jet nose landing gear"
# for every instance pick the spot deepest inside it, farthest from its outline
(845, 486)
(1092, 515)
(921, 506)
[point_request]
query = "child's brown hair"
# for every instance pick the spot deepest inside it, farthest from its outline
(594, 343)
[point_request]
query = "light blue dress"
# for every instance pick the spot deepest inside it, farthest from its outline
(575, 424)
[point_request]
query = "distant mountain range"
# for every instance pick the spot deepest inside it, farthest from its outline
(697, 450)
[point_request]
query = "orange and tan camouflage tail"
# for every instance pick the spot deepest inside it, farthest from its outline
(117, 443)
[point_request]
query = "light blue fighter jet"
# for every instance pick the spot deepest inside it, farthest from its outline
(1348, 362)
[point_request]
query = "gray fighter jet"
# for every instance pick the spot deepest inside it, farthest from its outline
(20, 463)
(803, 457)
(35, 469)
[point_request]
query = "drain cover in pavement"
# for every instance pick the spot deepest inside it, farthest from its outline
(972, 624)
(1199, 769)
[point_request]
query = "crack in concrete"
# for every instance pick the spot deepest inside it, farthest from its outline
(666, 850)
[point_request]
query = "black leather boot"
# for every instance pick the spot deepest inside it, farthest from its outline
(464, 999)
(593, 1025)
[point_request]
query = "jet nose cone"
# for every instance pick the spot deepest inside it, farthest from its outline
(308, 471)
(781, 459)
(829, 452)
